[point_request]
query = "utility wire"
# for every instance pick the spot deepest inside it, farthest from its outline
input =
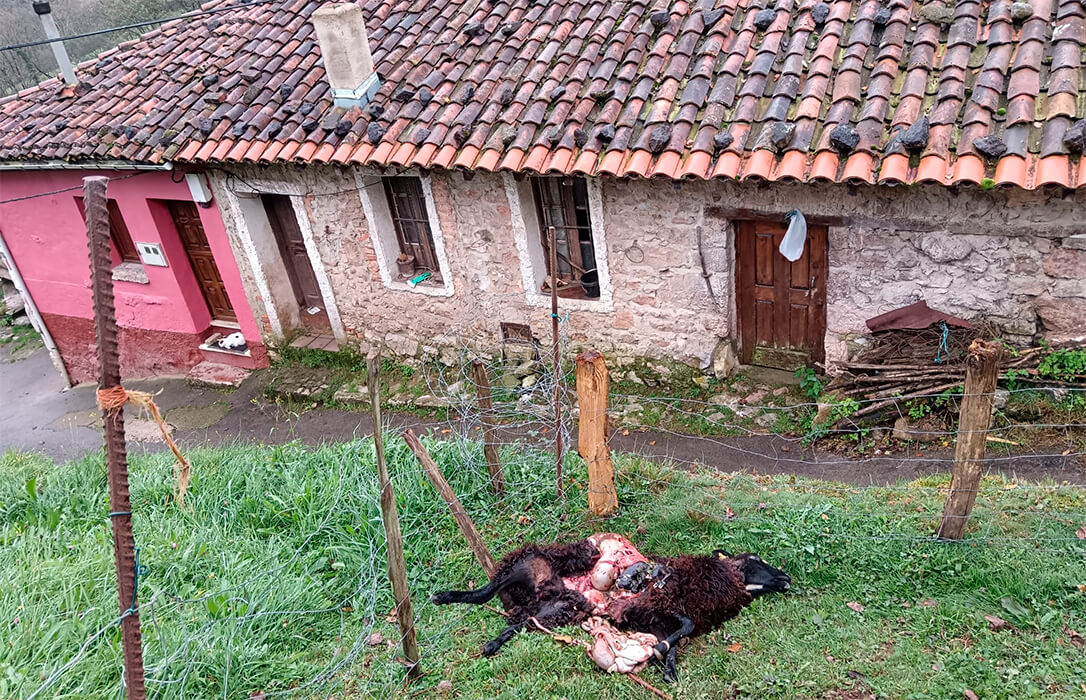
(69, 189)
(137, 25)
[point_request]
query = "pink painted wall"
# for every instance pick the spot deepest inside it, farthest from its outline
(47, 237)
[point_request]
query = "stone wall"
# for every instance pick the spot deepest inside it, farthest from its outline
(996, 255)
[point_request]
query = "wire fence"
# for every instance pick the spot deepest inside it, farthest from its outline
(272, 581)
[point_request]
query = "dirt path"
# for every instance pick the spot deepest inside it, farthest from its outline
(37, 416)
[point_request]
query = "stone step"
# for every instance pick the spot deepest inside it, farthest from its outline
(217, 374)
(237, 358)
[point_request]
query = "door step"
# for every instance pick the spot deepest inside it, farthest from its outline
(216, 374)
(227, 356)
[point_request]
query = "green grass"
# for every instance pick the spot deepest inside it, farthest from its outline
(21, 336)
(273, 575)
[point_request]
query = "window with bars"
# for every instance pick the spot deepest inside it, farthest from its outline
(407, 206)
(562, 202)
(118, 231)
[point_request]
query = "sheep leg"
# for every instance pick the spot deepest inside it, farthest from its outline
(494, 645)
(667, 652)
(517, 574)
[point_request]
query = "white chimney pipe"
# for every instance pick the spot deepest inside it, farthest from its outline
(345, 50)
(51, 32)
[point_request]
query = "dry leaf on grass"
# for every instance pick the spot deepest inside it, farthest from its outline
(729, 514)
(1081, 533)
(444, 686)
(929, 603)
(856, 607)
(734, 648)
(564, 639)
(969, 694)
(1076, 639)
(995, 623)
(375, 639)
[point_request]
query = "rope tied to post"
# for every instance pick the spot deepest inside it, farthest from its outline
(113, 399)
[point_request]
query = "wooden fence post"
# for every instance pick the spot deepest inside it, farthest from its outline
(490, 447)
(397, 567)
(467, 527)
(593, 384)
(975, 417)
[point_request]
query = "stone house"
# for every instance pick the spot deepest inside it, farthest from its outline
(390, 171)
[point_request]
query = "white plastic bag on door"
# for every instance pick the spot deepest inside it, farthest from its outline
(796, 236)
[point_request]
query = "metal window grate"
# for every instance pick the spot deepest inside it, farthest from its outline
(408, 208)
(562, 202)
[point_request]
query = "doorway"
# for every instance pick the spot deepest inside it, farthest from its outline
(186, 219)
(781, 304)
(288, 236)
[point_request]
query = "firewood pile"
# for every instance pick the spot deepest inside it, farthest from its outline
(903, 364)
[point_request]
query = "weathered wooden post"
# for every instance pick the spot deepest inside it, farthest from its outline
(556, 358)
(397, 567)
(593, 384)
(111, 400)
(463, 521)
(981, 373)
(490, 447)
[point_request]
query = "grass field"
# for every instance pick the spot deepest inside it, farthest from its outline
(271, 579)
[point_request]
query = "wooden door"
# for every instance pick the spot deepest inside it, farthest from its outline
(781, 304)
(186, 218)
(288, 235)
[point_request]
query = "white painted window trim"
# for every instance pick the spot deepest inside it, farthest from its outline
(246, 239)
(528, 242)
(297, 201)
(378, 219)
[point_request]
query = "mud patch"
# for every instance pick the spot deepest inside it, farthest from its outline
(197, 417)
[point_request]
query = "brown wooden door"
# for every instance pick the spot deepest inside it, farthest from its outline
(288, 235)
(186, 218)
(781, 304)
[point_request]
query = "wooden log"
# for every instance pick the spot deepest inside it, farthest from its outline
(593, 383)
(490, 446)
(878, 406)
(982, 370)
(463, 521)
(397, 567)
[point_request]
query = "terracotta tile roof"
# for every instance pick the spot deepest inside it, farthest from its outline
(875, 91)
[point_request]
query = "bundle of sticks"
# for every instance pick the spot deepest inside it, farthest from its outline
(900, 365)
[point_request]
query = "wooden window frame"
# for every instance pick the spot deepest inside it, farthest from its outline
(576, 245)
(410, 219)
(119, 236)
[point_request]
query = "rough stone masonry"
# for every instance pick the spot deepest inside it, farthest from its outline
(1008, 256)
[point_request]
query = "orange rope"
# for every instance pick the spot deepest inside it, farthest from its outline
(114, 398)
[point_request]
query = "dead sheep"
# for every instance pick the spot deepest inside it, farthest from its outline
(671, 598)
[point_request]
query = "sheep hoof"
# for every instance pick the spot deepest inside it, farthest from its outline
(443, 598)
(492, 647)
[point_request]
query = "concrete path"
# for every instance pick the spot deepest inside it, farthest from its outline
(37, 415)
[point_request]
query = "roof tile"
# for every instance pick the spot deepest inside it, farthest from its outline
(539, 80)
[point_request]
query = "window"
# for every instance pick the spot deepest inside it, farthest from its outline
(407, 207)
(562, 202)
(118, 231)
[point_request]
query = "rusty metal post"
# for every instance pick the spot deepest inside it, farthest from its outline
(552, 234)
(109, 376)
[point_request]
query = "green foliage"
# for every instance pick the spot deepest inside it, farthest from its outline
(809, 383)
(1012, 378)
(1063, 365)
(917, 408)
(840, 409)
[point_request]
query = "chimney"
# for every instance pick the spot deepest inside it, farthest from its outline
(345, 49)
(45, 13)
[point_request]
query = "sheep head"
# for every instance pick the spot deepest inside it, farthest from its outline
(758, 577)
